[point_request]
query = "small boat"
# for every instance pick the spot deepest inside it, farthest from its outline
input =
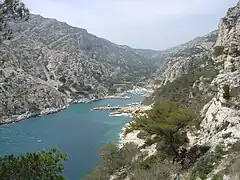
(135, 103)
(108, 105)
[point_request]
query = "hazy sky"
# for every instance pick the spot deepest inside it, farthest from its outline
(155, 24)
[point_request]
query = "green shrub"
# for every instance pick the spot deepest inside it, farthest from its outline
(236, 147)
(143, 135)
(108, 151)
(157, 170)
(147, 164)
(217, 177)
(227, 135)
(112, 90)
(205, 164)
(155, 173)
(202, 170)
(180, 89)
(218, 50)
(165, 120)
(113, 160)
(233, 68)
(226, 94)
(235, 92)
(205, 170)
(157, 82)
(150, 142)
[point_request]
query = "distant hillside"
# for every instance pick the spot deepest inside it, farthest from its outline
(176, 60)
(49, 64)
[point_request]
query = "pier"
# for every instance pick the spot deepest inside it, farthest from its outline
(103, 108)
(134, 109)
(117, 97)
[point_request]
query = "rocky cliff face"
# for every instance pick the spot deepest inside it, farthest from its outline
(221, 115)
(178, 59)
(49, 64)
(202, 76)
(221, 124)
(220, 111)
(223, 48)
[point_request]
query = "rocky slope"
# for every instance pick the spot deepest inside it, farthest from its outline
(220, 111)
(178, 59)
(205, 79)
(225, 106)
(221, 123)
(49, 64)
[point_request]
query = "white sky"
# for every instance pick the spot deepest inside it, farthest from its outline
(152, 24)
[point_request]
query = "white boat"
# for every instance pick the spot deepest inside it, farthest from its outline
(135, 103)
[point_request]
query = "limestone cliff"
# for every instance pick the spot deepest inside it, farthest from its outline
(49, 64)
(178, 59)
(220, 112)
(207, 79)
(201, 77)
(221, 123)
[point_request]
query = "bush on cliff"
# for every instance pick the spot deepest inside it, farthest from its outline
(218, 51)
(166, 119)
(181, 90)
(226, 93)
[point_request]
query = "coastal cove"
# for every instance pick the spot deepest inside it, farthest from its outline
(76, 130)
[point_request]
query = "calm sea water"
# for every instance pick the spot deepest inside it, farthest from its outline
(77, 130)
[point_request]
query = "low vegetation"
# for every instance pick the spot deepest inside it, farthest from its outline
(113, 160)
(177, 105)
(206, 164)
(185, 89)
(129, 162)
(39, 165)
(166, 119)
(226, 94)
(218, 50)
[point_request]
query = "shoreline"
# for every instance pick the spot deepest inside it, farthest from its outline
(131, 137)
(18, 118)
(27, 115)
(121, 135)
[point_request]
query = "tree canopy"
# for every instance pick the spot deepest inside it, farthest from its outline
(165, 119)
(11, 11)
(39, 165)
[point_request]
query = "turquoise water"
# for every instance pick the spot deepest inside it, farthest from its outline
(77, 130)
